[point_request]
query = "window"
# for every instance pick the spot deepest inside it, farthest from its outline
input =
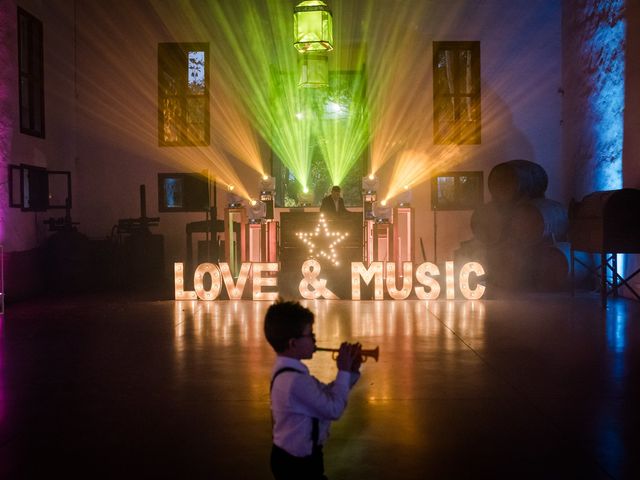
(183, 94)
(182, 192)
(30, 63)
(457, 191)
(456, 92)
(36, 189)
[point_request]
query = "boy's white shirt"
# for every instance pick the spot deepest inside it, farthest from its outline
(296, 398)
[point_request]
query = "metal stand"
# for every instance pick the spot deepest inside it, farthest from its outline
(382, 242)
(210, 228)
(403, 231)
(235, 219)
(262, 241)
(367, 244)
(608, 263)
(435, 236)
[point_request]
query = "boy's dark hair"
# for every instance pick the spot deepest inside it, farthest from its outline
(285, 320)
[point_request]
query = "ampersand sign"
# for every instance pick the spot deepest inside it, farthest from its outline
(310, 272)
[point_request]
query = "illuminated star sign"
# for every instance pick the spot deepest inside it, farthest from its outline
(321, 242)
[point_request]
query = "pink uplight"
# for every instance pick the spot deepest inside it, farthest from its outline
(8, 87)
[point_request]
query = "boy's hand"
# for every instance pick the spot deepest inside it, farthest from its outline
(345, 358)
(356, 349)
(349, 357)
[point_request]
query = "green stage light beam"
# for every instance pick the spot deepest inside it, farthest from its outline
(343, 128)
(258, 61)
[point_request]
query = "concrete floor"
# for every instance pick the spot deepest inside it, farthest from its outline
(113, 387)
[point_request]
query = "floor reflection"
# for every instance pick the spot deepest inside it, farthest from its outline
(415, 338)
(462, 353)
(609, 430)
(545, 385)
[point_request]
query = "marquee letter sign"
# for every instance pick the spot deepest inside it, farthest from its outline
(313, 286)
(359, 270)
(422, 275)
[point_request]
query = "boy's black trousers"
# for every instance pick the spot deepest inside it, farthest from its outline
(285, 466)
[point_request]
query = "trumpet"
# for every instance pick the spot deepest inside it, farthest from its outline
(373, 353)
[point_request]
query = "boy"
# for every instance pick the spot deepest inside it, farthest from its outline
(301, 406)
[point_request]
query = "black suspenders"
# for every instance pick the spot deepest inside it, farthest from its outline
(315, 423)
(282, 370)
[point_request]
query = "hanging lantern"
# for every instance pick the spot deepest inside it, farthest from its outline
(312, 27)
(314, 70)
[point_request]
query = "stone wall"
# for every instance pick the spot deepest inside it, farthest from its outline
(593, 86)
(601, 55)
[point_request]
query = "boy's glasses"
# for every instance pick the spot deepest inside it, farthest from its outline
(312, 335)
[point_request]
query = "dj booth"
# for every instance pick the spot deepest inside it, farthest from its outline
(298, 235)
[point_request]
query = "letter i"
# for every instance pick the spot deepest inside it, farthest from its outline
(451, 287)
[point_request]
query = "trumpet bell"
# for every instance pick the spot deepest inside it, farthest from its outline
(375, 353)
